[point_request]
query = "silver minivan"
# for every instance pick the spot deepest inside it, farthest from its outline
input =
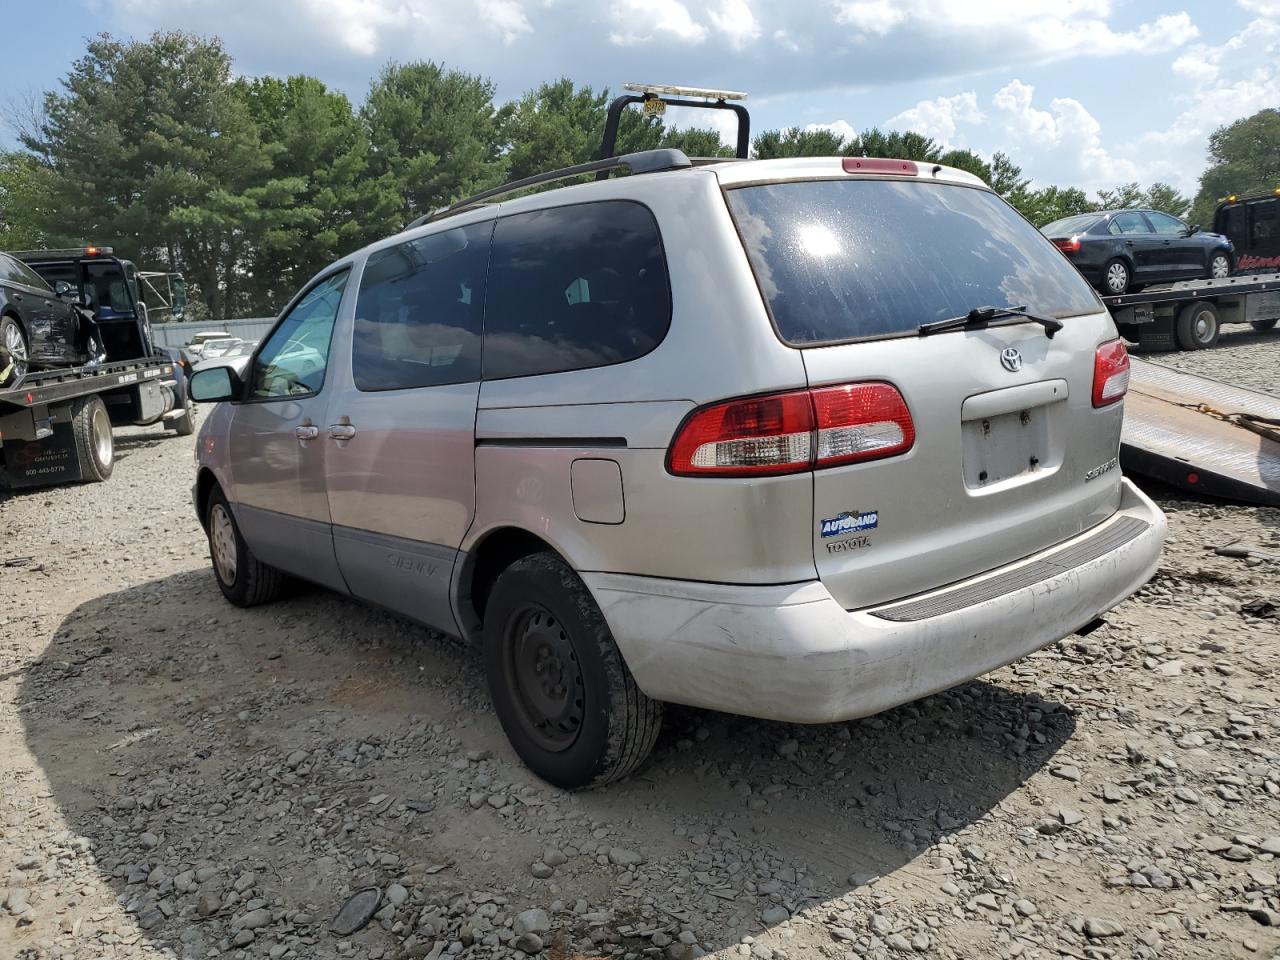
(795, 439)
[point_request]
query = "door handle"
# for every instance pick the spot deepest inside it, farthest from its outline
(342, 431)
(308, 431)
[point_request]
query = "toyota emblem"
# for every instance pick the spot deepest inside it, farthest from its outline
(1011, 359)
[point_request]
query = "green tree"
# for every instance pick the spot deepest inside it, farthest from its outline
(1051, 203)
(1125, 196)
(435, 135)
(1006, 176)
(794, 142)
(695, 142)
(148, 148)
(968, 161)
(24, 202)
(1244, 158)
(895, 144)
(1161, 196)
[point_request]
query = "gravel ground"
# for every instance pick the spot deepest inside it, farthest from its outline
(182, 778)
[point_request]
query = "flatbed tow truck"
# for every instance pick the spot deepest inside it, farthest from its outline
(56, 425)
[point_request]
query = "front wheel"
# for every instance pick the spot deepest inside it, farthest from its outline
(1116, 277)
(560, 687)
(1197, 326)
(1219, 266)
(243, 579)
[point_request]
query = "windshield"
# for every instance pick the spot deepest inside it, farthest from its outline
(840, 260)
(1069, 225)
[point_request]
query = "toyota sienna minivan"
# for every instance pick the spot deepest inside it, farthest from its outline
(797, 439)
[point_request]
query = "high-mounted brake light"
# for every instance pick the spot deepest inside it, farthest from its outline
(903, 168)
(1110, 373)
(793, 432)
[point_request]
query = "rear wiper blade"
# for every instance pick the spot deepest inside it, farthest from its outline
(980, 317)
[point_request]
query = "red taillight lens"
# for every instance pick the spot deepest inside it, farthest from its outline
(793, 432)
(903, 168)
(1070, 245)
(861, 421)
(1110, 373)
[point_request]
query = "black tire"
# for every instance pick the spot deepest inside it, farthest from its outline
(542, 629)
(249, 581)
(184, 425)
(1117, 277)
(1219, 265)
(95, 445)
(1198, 327)
(1262, 326)
(13, 370)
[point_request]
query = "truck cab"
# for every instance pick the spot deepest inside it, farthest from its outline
(1253, 225)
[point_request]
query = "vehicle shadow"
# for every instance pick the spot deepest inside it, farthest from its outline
(223, 760)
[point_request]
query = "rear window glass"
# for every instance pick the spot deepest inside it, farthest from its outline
(840, 260)
(1069, 225)
(574, 287)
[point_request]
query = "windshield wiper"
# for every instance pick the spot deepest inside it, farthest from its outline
(981, 317)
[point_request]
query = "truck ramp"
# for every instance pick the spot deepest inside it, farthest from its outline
(1201, 434)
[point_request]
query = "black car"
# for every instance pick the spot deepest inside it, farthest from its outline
(40, 326)
(1121, 250)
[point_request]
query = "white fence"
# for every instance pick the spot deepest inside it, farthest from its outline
(180, 334)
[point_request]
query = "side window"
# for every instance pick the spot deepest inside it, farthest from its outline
(30, 277)
(1266, 221)
(9, 269)
(292, 361)
(1128, 224)
(1166, 225)
(575, 287)
(418, 315)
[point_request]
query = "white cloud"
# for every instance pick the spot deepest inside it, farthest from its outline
(642, 21)
(1066, 132)
(841, 128)
(735, 19)
(507, 16)
(876, 17)
(940, 118)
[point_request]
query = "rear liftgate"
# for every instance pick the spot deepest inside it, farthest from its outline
(1202, 435)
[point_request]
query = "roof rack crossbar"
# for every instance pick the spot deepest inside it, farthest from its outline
(614, 118)
(645, 161)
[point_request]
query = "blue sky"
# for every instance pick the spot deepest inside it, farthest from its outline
(1080, 92)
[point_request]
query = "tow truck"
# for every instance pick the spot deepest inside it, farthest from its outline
(56, 425)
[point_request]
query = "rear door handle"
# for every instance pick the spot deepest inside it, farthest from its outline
(341, 431)
(308, 431)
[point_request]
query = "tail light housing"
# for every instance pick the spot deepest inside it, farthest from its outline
(792, 432)
(1068, 245)
(1110, 373)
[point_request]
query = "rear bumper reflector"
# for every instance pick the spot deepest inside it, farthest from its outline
(1110, 537)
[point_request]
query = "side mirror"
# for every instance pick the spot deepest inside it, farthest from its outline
(61, 288)
(1195, 229)
(215, 383)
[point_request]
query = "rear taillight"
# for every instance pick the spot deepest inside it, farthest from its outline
(1068, 245)
(1110, 373)
(793, 432)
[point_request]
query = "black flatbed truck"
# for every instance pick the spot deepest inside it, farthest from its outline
(55, 426)
(1189, 315)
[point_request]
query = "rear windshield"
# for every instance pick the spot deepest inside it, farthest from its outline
(1069, 225)
(840, 260)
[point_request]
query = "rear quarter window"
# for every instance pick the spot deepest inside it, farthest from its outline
(574, 287)
(841, 260)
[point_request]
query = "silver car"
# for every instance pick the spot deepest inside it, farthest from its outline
(795, 439)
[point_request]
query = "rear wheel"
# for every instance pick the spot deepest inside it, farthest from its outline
(1116, 277)
(560, 687)
(1220, 265)
(95, 444)
(244, 579)
(1198, 326)
(1262, 326)
(14, 352)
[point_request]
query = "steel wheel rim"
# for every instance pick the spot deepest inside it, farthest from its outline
(16, 346)
(222, 537)
(1117, 277)
(545, 677)
(100, 431)
(1219, 268)
(1204, 326)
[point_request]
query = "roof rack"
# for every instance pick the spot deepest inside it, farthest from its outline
(656, 97)
(645, 161)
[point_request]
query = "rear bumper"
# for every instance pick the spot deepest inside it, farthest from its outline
(792, 653)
